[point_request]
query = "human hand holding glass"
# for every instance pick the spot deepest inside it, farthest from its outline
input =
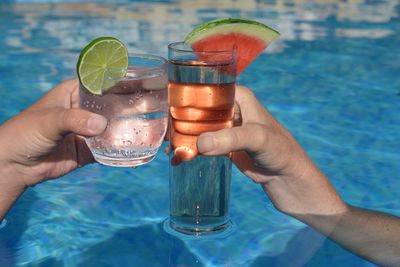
(44, 142)
(267, 153)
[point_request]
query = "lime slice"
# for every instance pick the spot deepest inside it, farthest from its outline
(100, 63)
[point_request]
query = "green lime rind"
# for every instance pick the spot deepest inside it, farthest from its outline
(90, 45)
(225, 25)
(100, 63)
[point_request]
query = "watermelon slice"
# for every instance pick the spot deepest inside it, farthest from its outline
(250, 38)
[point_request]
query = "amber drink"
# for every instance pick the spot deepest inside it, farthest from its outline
(201, 94)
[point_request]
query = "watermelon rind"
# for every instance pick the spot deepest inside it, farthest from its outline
(226, 25)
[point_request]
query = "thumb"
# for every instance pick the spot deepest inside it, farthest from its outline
(60, 122)
(249, 138)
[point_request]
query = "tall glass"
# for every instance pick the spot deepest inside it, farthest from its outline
(201, 95)
(137, 112)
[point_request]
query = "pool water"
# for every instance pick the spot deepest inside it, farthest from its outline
(332, 79)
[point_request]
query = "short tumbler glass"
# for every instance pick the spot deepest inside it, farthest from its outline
(201, 95)
(137, 112)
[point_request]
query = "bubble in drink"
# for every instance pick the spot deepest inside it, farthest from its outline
(137, 121)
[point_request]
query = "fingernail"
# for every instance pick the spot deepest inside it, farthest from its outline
(175, 161)
(206, 143)
(97, 123)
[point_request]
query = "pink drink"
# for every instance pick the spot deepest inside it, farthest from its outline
(201, 95)
(196, 108)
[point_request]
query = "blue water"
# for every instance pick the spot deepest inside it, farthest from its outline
(332, 79)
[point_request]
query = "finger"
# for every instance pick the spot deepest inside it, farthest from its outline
(59, 122)
(74, 92)
(84, 155)
(168, 132)
(167, 150)
(251, 138)
(251, 110)
(63, 95)
(237, 116)
(244, 163)
(175, 161)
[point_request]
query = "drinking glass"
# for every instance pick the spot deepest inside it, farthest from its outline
(201, 95)
(137, 112)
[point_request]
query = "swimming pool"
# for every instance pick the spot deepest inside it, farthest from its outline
(331, 79)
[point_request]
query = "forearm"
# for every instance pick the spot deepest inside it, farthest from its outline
(10, 189)
(372, 235)
(311, 198)
(304, 190)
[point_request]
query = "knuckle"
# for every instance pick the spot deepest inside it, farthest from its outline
(68, 86)
(246, 92)
(52, 115)
(70, 119)
(61, 119)
(64, 116)
(68, 82)
(257, 136)
(234, 137)
(73, 118)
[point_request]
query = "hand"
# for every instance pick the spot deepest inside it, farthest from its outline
(43, 141)
(267, 153)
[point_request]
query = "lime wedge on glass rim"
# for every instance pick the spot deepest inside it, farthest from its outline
(100, 63)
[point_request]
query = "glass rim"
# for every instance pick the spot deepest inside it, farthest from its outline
(179, 50)
(146, 72)
(147, 55)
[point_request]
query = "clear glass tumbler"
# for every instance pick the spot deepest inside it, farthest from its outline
(201, 95)
(137, 112)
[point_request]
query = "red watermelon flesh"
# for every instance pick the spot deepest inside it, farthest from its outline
(247, 47)
(248, 36)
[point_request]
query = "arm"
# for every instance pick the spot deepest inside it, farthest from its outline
(9, 190)
(43, 142)
(370, 234)
(268, 154)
